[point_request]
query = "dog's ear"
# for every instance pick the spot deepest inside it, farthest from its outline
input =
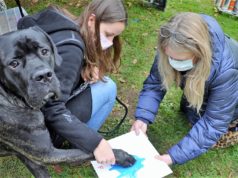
(58, 59)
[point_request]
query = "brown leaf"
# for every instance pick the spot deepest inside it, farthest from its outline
(146, 73)
(129, 4)
(122, 80)
(134, 61)
(34, 1)
(230, 175)
(144, 34)
(133, 86)
(58, 169)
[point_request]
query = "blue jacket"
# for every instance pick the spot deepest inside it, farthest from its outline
(220, 104)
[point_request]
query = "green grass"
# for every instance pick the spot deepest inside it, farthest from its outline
(140, 39)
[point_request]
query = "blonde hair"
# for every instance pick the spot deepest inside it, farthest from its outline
(195, 30)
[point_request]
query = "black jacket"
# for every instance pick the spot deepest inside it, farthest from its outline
(65, 34)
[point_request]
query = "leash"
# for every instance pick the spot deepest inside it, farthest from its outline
(112, 131)
(82, 87)
(20, 8)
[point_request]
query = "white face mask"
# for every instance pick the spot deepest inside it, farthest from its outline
(181, 65)
(105, 43)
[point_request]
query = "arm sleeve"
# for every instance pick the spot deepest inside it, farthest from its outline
(150, 96)
(214, 123)
(57, 116)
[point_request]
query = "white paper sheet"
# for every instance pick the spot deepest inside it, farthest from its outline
(144, 152)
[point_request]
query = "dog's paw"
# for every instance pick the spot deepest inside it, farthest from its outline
(123, 158)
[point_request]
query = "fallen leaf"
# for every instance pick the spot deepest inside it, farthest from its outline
(144, 34)
(146, 73)
(134, 61)
(129, 4)
(133, 86)
(122, 80)
(34, 1)
(58, 169)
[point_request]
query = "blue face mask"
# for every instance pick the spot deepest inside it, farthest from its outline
(181, 65)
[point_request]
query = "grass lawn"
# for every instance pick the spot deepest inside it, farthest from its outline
(140, 40)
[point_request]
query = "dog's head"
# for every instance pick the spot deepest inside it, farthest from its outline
(27, 59)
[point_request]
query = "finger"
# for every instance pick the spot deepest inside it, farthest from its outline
(144, 128)
(94, 77)
(132, 128)
(158, 157)
(85, 79)
(100, 162)
(95, 74)
(137, 130)
(105, 162)
(108, 162)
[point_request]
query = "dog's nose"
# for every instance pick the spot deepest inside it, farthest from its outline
(43, 76)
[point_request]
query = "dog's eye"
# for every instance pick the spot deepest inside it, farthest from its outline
(44, 52)
(14, 64)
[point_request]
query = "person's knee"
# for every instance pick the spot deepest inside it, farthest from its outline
(110, 87)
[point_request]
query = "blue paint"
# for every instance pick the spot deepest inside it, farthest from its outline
(129, 172)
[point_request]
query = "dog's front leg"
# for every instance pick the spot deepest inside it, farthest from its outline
(38, 170)
(56, 156)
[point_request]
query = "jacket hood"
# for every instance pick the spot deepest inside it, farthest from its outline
(59, 22)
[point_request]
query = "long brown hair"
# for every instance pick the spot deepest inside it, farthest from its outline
(107, 11)
(193, 27)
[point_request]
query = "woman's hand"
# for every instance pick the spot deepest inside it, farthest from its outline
(139, 125)
(93, 75)
(165, 158)
(103, 153)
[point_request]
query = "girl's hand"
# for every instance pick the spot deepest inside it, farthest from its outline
(165, 158)
(139, 125)
(95, 75)
(103, 153)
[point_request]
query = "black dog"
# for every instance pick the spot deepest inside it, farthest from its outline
(27, 82)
